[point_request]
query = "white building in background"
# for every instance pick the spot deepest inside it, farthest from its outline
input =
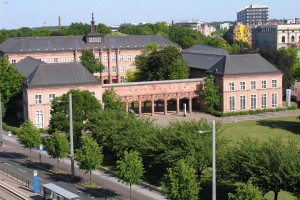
(207, 29)
(254, 14)
(225, 26)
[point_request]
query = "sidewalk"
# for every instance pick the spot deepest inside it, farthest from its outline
(17, 188)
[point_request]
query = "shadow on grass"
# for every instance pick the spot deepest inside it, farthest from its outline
(293, 127)
(100, 193)
(222, 190)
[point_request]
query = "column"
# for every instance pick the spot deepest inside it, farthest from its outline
(100, 55)
(190, 103)
(152, 105)
(109, 67)
(117, 51)
(165, 104)
(177, 104)
(75, 56)
(140, 105)
(126, 105)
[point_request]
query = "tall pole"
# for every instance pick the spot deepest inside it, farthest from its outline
(214, 160)
(1, 133)
(71, 135)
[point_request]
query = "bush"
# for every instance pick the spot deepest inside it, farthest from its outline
(13, 129)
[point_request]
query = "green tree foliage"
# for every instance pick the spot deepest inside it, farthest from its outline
(102, 28)
(57, 146)
(78, 29)
(246, 192)
(180, 182)
(10, 81)
(130, 168)
(89, 61)
(89, 155)
(271, 166)
(83, 104)
(136, 30)
(282, 59)
(29, 136)
(210, 94)
(111, 100)
(166, 64)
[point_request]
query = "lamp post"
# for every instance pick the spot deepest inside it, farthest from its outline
(213, 158)
(71, 134)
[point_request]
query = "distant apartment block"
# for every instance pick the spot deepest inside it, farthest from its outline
(253, 15)
(207, 29)
(193, 24)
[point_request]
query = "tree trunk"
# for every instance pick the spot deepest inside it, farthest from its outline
(30, 154)
(90, 178)
(130, 191)
(276, 195)
(57, 168)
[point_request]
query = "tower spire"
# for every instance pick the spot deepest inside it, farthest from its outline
(93, 21)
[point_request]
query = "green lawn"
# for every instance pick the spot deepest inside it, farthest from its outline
(285, 128)
(263, 129)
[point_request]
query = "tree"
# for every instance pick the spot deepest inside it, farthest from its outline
(111, 100)
(130, 168)
(180, 182)
(210, 93)
(246, 192)
(83, 104)
(89, 61)
(89, 155)
(166, 64)
(29, 136)
(57, 146)
(272, 165)
(10, 81)
(102, 28)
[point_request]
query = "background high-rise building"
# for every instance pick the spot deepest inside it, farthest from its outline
(253, 15)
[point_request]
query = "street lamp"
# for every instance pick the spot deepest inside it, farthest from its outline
(213, 158)
(71, 134)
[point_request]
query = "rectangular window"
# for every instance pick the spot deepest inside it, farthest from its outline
(78, 59)
(274, 83)
(274, 100)
(122, 79)
(55, 60)
(72, 59)
(231, 86)
(114, 69)
(50, 113)
(243, 102)
(47, 60)
(253, 102)
(39, 119)
(263, 84)
(13, 61)
(231, 103)
(253, 85)
(63, 60)
(128, 67)
(243, 85)
(121, 58)
(264, 101)
(105, 58)
(105, 69)
(97, 58)
(121, 68)
(51, 97)
(38, 99)
(113, 58)
(128, 57)
(93, 93)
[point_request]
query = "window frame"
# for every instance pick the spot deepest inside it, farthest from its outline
(243, 102)
(243, 86)
(263, 99)
(231, 103)
(274, 83)
(38, 100)
(253, 85)
(49, 98)
(39, 124)
(253, 99)
(264, 84)
(231, 86)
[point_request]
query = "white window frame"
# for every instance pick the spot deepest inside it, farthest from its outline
(232, 103)
(51, 98)
(252, 98)
(264, 84)
(105, 69)
(71, 59)
(231, 86)
(129, 67)
(274, 100)
(243, 85)
(55, 60)
(253, 85)
(128, 57)
(38, 99)
(93, 93)
(122, 68)
(47, 60)
(63, 60)
(243, 102)
(114, 68)
(122, 79)
(113, 58)
(13, 61)
(274, 83)
(105, 58)
(39, 119)
(121, 58)
(263, 100)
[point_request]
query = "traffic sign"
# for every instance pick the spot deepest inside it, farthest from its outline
(35, 173)
(9, 133)
(41, 147)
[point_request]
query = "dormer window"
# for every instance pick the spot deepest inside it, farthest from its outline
(94, 39)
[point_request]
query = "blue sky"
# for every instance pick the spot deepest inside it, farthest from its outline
(33, 13)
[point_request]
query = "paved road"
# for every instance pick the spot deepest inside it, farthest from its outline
(13, 156)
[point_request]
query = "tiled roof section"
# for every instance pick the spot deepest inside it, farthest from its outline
(201, 61)
(71, 43)
(199, 48)
(60, 74)
(27, 65)
(244, 64)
